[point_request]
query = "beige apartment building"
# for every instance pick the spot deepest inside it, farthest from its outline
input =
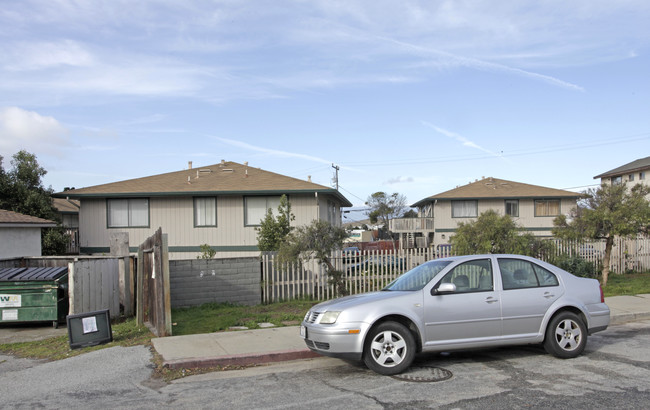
(532, 207)
(220, 205)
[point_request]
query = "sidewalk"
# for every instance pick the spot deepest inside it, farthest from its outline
(248, 347)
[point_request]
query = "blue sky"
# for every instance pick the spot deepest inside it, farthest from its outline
(415, 97)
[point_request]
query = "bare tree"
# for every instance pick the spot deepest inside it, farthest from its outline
(384, 207)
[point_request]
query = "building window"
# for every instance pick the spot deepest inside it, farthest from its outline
(256, 207)
(128, 213)
(205, 211)
(617, 180)
(512, 207)
(642, 175)
(331, 213)
(547, 207)
(631, 177)
(464, 209)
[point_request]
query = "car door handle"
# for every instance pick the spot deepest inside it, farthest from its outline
(491, 300)
(548, 295)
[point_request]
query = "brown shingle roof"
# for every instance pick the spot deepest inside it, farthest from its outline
(14, 218)
(489, 188)
(66, 206)
(638, 165)
(223, 178)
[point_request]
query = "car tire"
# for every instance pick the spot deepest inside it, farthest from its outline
(389, 349)
(566, 336)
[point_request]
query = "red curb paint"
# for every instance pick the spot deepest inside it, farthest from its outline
(246, 359)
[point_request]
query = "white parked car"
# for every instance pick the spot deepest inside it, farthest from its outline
(459, 303)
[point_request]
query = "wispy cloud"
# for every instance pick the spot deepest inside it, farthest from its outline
(399, 180)
(219, 52)
(39, 55)
(148, 119)
(449, 59)
(270, 151)
(466, 142)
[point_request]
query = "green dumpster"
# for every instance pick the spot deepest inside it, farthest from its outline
(33, 295)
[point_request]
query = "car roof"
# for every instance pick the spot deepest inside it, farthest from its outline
(488, 255)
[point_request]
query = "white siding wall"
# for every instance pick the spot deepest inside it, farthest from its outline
(176, 217)
(630, 182)
(526, 219)
(15, 242)
(92, 223)
(324, 204)
(304, 208)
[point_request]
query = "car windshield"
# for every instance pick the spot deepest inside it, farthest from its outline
(418, 277)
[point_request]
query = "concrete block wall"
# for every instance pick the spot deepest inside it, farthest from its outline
(197, 281)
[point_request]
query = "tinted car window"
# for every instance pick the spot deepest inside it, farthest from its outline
(519, 274)
(472, 276)
(544, 276)
(418, 277)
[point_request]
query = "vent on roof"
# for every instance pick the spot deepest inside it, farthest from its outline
(227, 170)
(202, 171)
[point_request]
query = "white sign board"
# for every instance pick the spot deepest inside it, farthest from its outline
(10, 301)
(10, 314)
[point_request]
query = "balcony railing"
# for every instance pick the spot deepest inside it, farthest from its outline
(411, 225)
(73, 245)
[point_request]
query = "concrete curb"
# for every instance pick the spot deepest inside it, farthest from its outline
(245, 359)
(248, 359)
(261, 346)
(628, 317)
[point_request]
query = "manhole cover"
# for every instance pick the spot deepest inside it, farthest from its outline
(424, 374)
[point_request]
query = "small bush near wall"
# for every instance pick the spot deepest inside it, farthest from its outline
(198, 281)
(577, 266)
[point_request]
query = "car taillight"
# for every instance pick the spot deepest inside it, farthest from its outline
(602, 295)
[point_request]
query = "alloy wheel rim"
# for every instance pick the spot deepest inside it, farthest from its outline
(568, 335)
(388, 349)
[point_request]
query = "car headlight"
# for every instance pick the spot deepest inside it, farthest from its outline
(329, 317)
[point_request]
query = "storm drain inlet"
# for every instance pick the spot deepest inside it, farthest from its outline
(424, 374)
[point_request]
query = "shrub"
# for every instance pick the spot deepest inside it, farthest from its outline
(576, 266)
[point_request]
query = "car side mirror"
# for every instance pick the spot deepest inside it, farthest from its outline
(443, 289)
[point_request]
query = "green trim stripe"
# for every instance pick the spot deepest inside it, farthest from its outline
(444, 230)
(180, 249)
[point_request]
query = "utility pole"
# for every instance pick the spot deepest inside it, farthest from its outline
(336, 176)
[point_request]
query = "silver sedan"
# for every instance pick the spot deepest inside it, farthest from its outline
(460, 303)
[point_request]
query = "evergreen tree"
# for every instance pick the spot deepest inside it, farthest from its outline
(273, 230)
(317, 240)
(493, 233)
(605, 213)
(22, 191)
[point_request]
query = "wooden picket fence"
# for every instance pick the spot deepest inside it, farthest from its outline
(373, 270)
(367, 272)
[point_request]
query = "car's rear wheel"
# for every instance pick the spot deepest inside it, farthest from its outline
(566, 336)
(390, 348)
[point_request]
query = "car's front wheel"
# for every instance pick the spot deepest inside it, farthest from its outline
(566, 336)
(390, 348)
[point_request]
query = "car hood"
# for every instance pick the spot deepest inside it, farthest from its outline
(356, 300)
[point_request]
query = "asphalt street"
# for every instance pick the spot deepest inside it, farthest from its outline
(613, 372)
